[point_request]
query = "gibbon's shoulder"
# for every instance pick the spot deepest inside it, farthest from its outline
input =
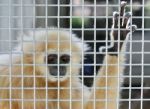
(50, 34)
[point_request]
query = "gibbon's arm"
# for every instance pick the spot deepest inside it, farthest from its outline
(107, 82)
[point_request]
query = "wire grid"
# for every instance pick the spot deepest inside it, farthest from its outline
(82, 18)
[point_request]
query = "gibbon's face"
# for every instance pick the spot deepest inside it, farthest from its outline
(61, 56)
(58, 66)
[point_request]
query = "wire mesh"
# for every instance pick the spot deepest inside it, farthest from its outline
(25, 79)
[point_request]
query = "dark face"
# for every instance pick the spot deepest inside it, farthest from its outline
(57, 66)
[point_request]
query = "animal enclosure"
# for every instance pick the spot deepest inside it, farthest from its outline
(60, 54)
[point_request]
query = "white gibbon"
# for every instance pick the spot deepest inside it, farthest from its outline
(45, 71)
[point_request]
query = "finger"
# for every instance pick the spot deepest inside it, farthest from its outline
(122, 10)
(134, 27)
(126, 20)
(131, 28)
(115, 19)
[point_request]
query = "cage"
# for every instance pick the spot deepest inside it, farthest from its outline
(86, 22)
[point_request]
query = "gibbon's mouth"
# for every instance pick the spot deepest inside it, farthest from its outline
(58, 74)
(57, 71)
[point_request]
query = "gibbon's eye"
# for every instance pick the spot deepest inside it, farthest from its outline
(52, 59)
(64, 59)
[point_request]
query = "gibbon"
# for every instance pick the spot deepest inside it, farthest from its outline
(44, 72)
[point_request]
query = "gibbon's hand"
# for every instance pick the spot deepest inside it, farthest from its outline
(121, 25)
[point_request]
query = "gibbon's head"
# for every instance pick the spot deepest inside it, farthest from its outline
(57, 53)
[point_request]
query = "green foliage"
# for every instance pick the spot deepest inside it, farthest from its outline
(77, 22)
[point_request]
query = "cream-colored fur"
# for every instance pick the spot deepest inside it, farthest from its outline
(28, 78)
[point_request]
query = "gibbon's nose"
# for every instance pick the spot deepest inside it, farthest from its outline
(53, 70)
